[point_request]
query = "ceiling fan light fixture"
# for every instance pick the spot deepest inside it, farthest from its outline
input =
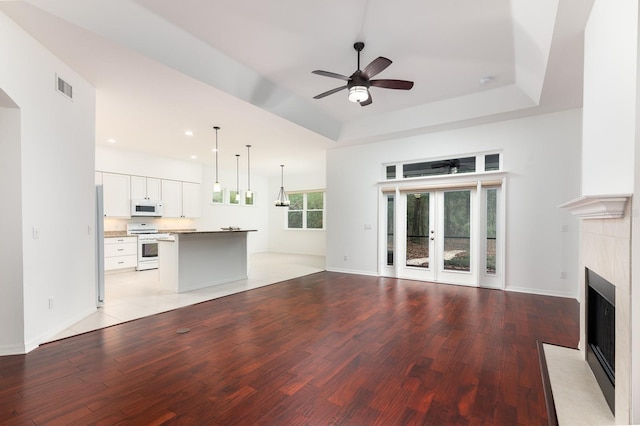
(358, 94)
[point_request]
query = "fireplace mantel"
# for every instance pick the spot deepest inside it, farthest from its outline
(598, 206)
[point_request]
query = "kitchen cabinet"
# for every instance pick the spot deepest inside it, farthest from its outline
(145, 188)
(180, 199)
(190, 199)
(116, 195)
(120, 252)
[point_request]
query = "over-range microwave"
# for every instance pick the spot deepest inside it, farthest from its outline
(146, 208)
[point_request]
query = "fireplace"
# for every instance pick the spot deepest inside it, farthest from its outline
(601, 333)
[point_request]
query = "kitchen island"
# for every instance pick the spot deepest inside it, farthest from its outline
(191, 260)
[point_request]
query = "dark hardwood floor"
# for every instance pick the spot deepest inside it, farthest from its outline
(325, 349)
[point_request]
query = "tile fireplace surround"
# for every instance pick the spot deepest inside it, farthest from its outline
(605, 248)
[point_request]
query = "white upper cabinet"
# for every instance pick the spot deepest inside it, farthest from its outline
(116, 195)
(190, 199)
(180, 199)
(172, 198)
(145, 188)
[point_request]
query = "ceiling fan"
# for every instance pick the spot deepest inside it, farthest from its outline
(453, 165)
(360, 81)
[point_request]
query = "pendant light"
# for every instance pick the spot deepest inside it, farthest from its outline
(237, 178)
(216, 185)
(248, 194)
(282, 200)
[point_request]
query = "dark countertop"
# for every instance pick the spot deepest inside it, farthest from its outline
(221, 231)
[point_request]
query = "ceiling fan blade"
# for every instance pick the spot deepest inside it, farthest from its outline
(331, 74)
(329, 92)
(392, 84)
(369, 101)
(376, 66)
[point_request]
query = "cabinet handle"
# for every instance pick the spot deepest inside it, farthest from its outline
(120, 249)
(120, 263)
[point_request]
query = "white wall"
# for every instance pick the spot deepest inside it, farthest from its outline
(635, 256)
(216, 216)
(610, 98)
(115, 160)
(56, 185)
(541, 155)
(11, 338)
(611, 128)
(298, 241)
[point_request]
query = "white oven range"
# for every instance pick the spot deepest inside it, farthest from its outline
(148, 235)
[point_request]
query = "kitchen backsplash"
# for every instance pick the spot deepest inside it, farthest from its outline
(111, 224)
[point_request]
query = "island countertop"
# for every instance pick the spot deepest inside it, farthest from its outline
(190, 260)
(220, 231)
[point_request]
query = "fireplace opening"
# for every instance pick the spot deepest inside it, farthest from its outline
(601, 333)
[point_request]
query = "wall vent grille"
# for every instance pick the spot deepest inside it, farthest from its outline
(64, 88)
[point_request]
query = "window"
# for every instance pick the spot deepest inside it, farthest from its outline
(471, 163)
(234, 197)
(217, 197)
(306, 210)
(440, 167)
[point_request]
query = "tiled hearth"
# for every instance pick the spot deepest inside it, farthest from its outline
(605, 248)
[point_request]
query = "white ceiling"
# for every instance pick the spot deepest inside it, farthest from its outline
(161, 67)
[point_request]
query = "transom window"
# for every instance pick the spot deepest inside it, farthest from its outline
(306, 210)
(473, 163)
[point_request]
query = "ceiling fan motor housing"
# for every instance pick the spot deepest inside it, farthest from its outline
(357, 79)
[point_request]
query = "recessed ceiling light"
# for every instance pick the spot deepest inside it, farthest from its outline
(193, 157)
(111, 140)
(486, 80)
(213, 150)
(188, 132)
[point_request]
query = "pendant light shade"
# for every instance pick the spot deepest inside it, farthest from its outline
(248, 194)
(282, 200)
(216, 185)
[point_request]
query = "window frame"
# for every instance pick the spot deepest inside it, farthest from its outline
(305, 210)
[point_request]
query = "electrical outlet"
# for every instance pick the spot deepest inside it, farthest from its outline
(563, 275)
(51, 306)
(36, 232)
(346, 257)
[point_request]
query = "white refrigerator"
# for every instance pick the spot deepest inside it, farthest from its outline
(99, 246)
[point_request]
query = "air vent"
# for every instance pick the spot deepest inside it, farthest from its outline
(64, 88)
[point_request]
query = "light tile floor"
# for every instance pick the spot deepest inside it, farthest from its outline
(576, 394)
(132, 295)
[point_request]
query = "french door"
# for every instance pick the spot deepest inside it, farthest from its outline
(437, 240)
(448, 235)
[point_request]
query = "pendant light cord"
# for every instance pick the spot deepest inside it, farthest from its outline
(216, 128)
(248, 169)
(237, 175)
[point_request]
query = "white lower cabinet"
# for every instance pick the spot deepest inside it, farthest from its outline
(120, 252)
